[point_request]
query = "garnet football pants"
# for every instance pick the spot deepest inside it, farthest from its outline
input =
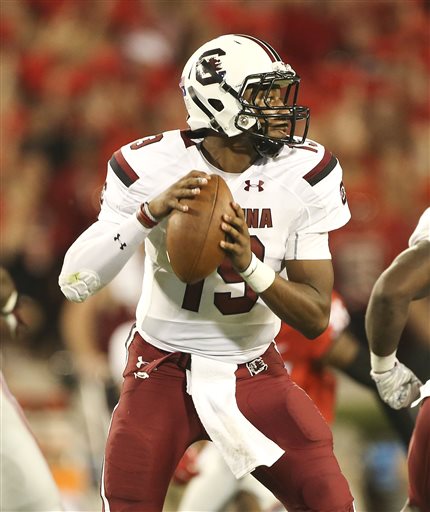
(419, 460)
(155, 421)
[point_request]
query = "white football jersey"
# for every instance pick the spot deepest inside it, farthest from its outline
(288, 202)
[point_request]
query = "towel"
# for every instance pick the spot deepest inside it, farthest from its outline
(213, 389)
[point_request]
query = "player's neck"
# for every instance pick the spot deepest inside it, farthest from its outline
(233, 154)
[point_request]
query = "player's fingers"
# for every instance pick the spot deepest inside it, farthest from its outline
(195, 179)
(240, 215)
(238, 209)
(186, 189)
(231, 231)
(189, 187)
(195, 182)
(182, 193)
(228, 246)
(235, 251)
(237, 222)
(239, 219)
(198, 174)
(175, 204)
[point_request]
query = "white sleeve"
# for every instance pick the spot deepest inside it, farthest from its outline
(325, 209)
(308, 246)
(97, 256)
(329, 209)
(325, 203)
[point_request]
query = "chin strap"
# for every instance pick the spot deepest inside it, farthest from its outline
(267, 148)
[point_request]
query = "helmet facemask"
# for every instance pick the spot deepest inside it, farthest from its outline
(269, 110)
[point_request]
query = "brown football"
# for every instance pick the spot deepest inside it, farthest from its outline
(193, 237)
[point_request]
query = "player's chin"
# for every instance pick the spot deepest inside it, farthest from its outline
(278, 132)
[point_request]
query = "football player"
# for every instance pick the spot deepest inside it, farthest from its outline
(405, 280)
(26, 481)
(201, 359)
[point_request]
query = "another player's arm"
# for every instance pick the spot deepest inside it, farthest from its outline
(303, 301)
(405, 280)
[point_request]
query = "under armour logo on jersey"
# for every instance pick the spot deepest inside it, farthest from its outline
(122, 245)
(258, 185)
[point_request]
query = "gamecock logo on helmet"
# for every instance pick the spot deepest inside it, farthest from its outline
(208, 66)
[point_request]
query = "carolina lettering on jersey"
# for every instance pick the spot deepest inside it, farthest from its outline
(121, 168)
(258, 218)
(323, 169)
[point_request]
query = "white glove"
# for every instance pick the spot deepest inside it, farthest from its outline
(397, 387)
(79, 286)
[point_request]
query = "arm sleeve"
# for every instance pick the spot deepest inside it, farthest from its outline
(97, 256)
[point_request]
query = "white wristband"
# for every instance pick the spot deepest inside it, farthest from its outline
(258, 275)
(382, 363)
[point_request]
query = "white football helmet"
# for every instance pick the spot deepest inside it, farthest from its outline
(215, 79)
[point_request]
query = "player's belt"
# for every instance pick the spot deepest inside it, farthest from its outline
(183, 361)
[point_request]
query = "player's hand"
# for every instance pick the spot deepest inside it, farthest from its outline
(398, 387)
(238, 243)
(187, 187)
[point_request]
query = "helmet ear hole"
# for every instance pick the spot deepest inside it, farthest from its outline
(216, 104)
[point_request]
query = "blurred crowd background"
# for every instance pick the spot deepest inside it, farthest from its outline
(80, 78)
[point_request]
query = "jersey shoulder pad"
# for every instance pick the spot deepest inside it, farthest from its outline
(324, 163)
(313, 160)
(147, 154)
